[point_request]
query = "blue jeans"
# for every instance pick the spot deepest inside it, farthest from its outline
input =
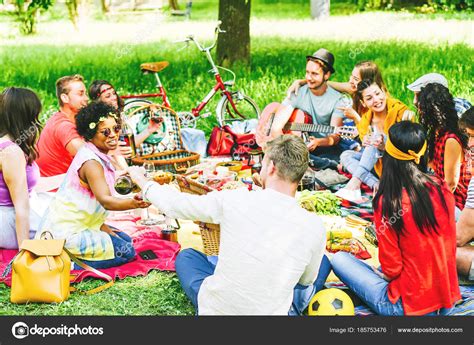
(325, 157)
(123, 251)
(370, 287)
(192, 267)
(360, 164)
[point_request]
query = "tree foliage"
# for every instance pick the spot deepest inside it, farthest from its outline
(27, 13)
(426, 4)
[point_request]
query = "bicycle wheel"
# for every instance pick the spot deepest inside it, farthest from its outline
(246, 109)
(133, 104)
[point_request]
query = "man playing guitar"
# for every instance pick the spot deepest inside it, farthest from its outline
(321, 101)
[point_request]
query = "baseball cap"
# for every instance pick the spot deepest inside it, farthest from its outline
(428, 79)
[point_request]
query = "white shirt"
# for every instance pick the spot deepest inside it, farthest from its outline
(268, 244)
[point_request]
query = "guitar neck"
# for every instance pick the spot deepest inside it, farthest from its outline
(308, 127)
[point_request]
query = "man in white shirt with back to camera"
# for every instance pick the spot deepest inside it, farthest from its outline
(271, 259)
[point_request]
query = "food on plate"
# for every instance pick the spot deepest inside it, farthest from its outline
(235, 166)
(350, 245)
(163, 177)
(233, 185)
(338, 233)
(320, 202)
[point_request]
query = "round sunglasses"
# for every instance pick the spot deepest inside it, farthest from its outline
(107, 131)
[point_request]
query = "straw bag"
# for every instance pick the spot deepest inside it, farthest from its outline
(41, 272)
(169, 153)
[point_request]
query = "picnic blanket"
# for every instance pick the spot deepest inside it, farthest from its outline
(364, 209)
(144, 238)
(465, 307)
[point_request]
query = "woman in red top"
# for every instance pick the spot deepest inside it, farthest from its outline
(416, 231)
(447, 144)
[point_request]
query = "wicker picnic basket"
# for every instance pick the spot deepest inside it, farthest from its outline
(210, 233)
(169, 154)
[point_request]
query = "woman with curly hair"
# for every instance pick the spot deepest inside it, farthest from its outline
(19, 111)
(103, 91)
(447, 144)
(81, 204)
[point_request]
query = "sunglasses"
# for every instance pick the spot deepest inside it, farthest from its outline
(107, 131)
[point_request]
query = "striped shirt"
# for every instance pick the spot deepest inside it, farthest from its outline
(470, 195)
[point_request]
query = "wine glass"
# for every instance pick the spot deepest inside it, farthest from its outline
(149, 221)
(346, 100)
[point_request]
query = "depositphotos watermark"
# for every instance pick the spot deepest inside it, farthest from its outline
(21, 330)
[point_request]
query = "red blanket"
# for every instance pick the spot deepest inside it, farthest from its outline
(143, 239)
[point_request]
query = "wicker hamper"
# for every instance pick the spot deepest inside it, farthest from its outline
(210, 233)
(169, 154)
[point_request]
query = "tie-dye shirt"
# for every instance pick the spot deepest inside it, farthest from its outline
(76, 215)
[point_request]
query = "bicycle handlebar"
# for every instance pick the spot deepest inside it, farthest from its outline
(190, 38)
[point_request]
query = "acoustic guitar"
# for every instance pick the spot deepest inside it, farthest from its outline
(298, 122)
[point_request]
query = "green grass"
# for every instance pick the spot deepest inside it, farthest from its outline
(275, 64)
(300, 9)
(158, 293)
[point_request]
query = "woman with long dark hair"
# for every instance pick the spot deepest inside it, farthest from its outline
(19, 128)
(103, 91)
(447, 144)
(416, 231)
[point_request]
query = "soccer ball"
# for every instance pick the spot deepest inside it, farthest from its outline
(331, 302)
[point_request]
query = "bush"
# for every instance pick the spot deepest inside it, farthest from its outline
(424, 6)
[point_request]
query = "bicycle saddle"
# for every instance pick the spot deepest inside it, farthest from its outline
(154, 67)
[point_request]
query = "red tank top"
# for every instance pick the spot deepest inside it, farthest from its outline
(460, 193)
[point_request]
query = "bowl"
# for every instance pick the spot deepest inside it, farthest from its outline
(234, 166)
(217, 181)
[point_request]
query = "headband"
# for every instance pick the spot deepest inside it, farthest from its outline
(403, 156)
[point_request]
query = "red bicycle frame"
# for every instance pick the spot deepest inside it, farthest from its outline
(161, 94)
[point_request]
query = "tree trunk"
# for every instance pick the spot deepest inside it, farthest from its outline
(72, 6)
(319, 9)
(105, 6)
(234, 44)
(174, 4)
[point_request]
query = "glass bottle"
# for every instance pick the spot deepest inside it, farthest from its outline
(127, 136)
(124, 185)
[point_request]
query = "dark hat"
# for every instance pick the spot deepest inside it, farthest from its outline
(325, 56)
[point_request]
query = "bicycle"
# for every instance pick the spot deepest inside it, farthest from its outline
(233, 105)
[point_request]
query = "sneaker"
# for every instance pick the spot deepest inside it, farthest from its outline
(354, 196)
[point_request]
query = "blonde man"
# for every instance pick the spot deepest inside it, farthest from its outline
(271, 249)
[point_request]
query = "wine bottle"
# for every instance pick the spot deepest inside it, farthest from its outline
(127, 136)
